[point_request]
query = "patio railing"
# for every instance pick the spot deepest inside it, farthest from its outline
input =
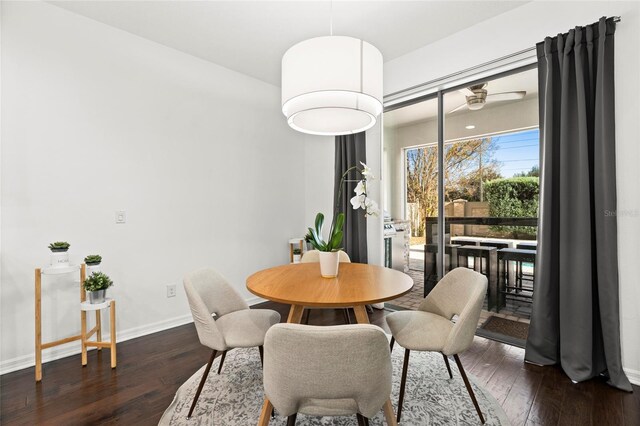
(496, 280)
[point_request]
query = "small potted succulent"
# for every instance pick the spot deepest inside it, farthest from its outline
(96, 286)
(59, 246)
(59, 256)
(297, 254)
(93, 259)
(93, 263)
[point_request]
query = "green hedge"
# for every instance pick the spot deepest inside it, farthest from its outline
(513, 197)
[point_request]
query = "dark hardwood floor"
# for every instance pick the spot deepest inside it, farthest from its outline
(151, 368)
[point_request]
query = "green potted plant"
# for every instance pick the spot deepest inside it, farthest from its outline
(96, 286)
(59, 246)
(93, 259)
(93, 263)
(59, 257)
(329, 256)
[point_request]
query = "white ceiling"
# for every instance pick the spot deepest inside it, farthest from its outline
(251, 36)
(428, 110)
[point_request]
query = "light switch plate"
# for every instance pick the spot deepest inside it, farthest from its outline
(121, 216)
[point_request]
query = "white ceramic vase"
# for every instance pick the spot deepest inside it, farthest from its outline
(329, 264)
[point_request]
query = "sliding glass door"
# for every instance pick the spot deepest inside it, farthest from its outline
(410, 177)
(461, 166)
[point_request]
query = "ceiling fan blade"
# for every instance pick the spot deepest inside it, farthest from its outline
(458, 108)
(505, 96)
(466, 91)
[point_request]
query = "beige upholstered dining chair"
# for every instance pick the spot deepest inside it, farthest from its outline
(328, 371)
(313, 256)
(460, 292)
(235, 326)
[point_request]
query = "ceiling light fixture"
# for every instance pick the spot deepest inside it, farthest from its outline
(332, 85)
(470, 127)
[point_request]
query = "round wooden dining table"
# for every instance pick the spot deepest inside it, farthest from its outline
(356, 286)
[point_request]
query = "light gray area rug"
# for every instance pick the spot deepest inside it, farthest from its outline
(235, 396)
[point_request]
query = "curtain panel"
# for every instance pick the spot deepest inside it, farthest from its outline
(350, 150)
(575, 318)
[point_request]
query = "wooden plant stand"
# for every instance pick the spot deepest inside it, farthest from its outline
(84, 308)
(97, 330)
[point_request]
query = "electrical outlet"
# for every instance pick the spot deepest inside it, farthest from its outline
(171, 290)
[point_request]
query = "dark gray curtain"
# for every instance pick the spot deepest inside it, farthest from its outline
(350, 151)
(575, 318)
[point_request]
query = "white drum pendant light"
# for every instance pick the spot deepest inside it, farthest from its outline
(332, 85)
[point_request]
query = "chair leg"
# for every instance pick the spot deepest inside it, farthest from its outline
(264, 418)
(291, 421)
(347, 318)
(261, 350)
(306, 321)
(389, 414)
(393, 341)
(446, 361)
(469, 389)
(204, 379)
(403, 383)
(222, 361)
(362, 420)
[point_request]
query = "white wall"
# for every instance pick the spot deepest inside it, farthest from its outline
(318, 177)
(97, 120)
(520, 29)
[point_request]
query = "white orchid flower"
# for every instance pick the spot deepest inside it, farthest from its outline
(371, 207)
(360, 188)
(366, 172)
(358, 201)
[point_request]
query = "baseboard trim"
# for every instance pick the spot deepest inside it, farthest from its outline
(70, 349)
(633, 376)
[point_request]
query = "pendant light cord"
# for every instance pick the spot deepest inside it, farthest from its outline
(331, 17)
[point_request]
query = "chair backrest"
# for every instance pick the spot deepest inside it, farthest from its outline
(460, 292)
(209, 293)
(327, 371)
(313, 256)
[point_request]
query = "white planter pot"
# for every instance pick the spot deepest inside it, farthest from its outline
(329, 264)
(59, 259)
(296, 258)
(93, 268)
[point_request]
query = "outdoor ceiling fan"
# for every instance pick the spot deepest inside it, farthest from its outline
(477, 96)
